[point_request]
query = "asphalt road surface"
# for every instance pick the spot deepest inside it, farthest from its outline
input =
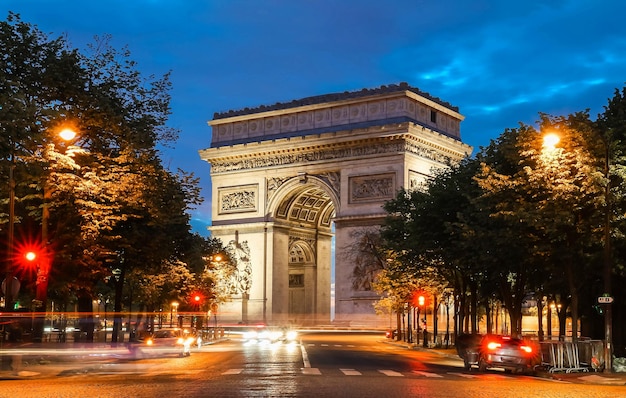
(319, 364)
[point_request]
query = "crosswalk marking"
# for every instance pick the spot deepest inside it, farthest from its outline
(426, 374)
(387, 372)
(465, 375)
(391, 373)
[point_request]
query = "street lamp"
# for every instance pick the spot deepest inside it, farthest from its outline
(43, 270)
(550, 140)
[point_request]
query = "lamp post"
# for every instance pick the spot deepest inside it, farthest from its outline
(550, 140)
(608, 313)
(43, 266)
(173, 307)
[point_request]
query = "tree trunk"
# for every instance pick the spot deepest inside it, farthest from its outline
(85, 320)
(474, 306)
(539, 299)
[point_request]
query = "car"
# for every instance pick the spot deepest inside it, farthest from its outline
(167, 341)
(508, 353)
(289, 335)
(262, 334)
(391, 333)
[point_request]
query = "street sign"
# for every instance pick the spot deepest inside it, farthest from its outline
(605, 300)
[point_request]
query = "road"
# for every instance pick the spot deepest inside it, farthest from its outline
(320, 365)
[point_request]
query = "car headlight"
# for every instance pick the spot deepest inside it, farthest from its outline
(291, 335)
(149, 342)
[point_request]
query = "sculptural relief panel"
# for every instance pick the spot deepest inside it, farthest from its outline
(305, 120)
(322, 118)
(288, 123)
(239, 199)
(358, 113)
(340, 115)
(225, 132)
(240, 130)
(272, 125)
(372, 188)
(256, 128)
(376, 110)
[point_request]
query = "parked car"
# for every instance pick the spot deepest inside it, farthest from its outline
(167, 341)
(496, 351)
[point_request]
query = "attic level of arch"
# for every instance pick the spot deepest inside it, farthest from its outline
(375, 110)
(405, 137)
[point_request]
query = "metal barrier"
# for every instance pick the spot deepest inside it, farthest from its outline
(563, 356)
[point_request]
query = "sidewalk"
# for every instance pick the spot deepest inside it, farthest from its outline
(617, 379)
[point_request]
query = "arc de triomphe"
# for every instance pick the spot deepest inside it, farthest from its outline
(293, 183)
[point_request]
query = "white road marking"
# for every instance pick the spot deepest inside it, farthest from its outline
(311, 371)
(427, 374)
(391, 373)
(305, 357)
(351, 372)
(467, 376)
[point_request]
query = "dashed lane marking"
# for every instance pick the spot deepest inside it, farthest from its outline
(391, 373)
(426, 374)
(351, 372)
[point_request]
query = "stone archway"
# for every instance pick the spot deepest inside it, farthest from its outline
(283, 176)
(302, 212)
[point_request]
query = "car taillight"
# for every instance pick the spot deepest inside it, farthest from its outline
(526, 349)
(492, 345)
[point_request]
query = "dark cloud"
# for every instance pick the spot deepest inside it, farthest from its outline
(500, 62)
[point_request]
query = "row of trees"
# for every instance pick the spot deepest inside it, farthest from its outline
(520, 220)
(118, 223)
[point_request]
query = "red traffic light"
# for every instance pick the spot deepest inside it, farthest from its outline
(30, 256)
(418, 299)
(197, 298)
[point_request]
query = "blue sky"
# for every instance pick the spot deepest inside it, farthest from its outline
(500, 61)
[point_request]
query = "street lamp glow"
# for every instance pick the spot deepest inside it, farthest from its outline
(67, 134)
(550, 140)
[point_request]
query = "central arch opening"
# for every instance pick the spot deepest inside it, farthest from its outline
(305, 217)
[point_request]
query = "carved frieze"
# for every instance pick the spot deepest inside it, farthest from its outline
(370, 188)
(334, 153)
(239, 199)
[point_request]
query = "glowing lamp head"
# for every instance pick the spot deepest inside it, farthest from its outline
(67, 134)
(550, 140)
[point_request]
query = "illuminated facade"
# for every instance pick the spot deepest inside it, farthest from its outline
(294, 183)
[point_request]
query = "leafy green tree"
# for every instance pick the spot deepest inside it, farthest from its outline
(115, 210)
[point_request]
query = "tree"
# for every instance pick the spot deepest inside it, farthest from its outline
(116, 193)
